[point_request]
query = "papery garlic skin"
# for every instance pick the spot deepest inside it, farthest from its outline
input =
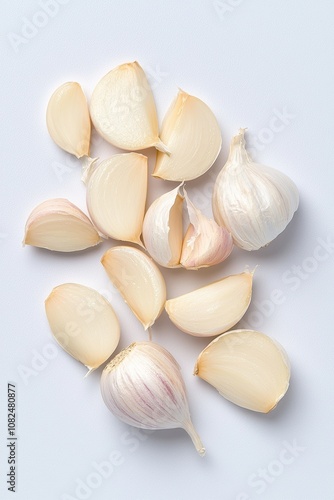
(254, 202)
(214, 308)
(192, 135)
(59, 225)
(143, 387)
(205, 243)
(123, 110)
(116, 196)
(163, 228)
(83, 322)
(139, 281)
(68, 119)
(246, 367)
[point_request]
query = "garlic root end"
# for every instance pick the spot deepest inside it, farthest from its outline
(195, 438)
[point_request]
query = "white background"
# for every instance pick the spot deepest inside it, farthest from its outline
(250, 61)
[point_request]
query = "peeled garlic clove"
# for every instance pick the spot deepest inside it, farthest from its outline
(139, 281)
(246, 367)
(123, 110)
(205, 243)
(143, 387)
(59, 225)
(116, 196)
(214, 308)
(163, 230)
(192, 135)
(83, 322)
(68, 120)
(255, 203)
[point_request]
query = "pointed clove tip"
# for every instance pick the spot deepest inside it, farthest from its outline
(253, 270)
(138, 241)
(90, 370)
(160, 146)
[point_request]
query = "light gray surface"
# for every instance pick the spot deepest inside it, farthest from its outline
(250, 61)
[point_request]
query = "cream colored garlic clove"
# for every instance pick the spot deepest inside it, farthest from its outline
(255, 203)
(205, 243)
(83, 322)
(192, 135)
(138, 280)
(246, 367)
(214, 308)
(59, 225)
(68, 120)
(123, 110)
(143, 387)
(116, 196)
(163, 229)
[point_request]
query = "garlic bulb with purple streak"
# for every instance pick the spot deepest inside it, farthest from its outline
(143, 387)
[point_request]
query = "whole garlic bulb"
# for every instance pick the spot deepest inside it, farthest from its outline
(143, 387)
(254, 202)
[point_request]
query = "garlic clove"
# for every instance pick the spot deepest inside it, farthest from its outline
(205, 243)
(116, 196)
(192, 135)
(68, 120)
(59, 225)
(246, 367)
(123, 110)
(87, 167)
(83, 322)
(254, 202)
(143, 387)
(214, 308)
(138, 280)
(163, 229)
